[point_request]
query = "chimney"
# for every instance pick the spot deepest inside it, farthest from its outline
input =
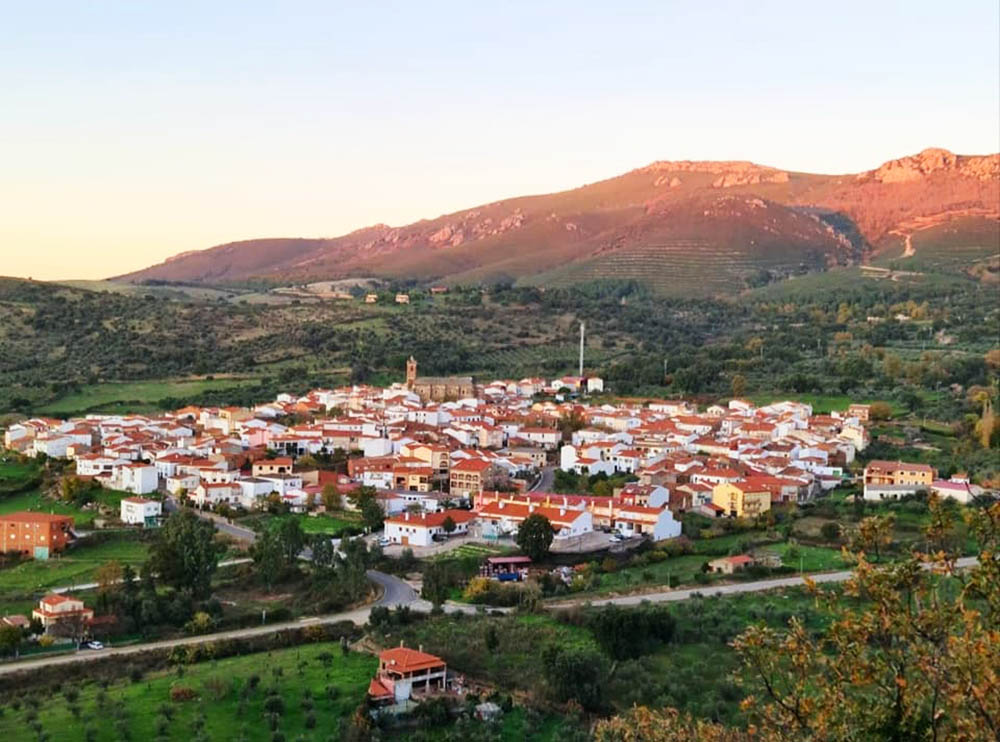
(562, 511)
(400, 643)
(407, 515)
(420, 647)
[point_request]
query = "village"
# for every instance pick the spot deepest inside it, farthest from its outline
(455, 467)
(437, 449)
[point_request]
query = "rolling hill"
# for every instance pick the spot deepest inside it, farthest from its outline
(684, 228)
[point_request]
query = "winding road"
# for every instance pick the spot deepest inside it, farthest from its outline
(395, 592)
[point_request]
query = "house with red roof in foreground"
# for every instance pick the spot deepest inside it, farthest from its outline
(54, 609)
(403, 672)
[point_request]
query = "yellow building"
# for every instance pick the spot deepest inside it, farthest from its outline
(741, 500)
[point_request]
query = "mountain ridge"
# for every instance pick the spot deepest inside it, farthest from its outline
(763, 218)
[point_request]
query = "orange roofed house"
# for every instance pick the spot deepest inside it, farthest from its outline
(54, 609)
(403, 672)
(896, 478)
(37, 534)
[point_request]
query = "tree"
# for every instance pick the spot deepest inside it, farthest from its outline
(10, 639)
(324, 555)
(874, 534)
(830, 530)
(268, 556)
(448, 525)
(664, 725)
(912, 654)
(291, 538)
(437, 582)
(576, 673)
(880, 411)
(372, 514)
(739, 385)
(331, 497)
(109, 577)
(185, 554)
(534, 536)
(71, 627)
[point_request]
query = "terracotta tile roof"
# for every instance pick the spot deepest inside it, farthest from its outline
(403, 659)
(31, 517)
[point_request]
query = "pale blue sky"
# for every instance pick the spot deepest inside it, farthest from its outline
(135, 130)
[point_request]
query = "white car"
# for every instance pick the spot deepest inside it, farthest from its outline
(94, 645)
(384, 541)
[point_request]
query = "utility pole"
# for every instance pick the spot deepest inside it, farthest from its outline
(581, 349)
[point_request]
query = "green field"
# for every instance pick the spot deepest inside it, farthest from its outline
(136, 396)
(323, 523)
(77, 565)
(477, 551)
(37, 502)
(132, 708)
(15, 476)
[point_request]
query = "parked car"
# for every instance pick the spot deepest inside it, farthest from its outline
(94, 645)
(384, 541)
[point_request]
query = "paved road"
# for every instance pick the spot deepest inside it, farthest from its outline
(735, 588)
(394, 592)
(546, 481)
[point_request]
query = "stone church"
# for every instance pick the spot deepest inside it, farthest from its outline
(438, 388)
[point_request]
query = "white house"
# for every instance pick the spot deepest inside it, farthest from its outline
(411, 529)
(253, 490)
(139, 511)
(570, 460)
(180, 482)
(546, 437)
(504, 518)
(282, 483)
(138, 478)
(96, 464)
(657, 523)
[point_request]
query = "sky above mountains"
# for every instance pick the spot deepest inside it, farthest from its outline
(134, 131)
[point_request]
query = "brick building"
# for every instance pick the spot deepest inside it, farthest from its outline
(35, 534)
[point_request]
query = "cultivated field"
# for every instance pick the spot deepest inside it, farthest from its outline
(318, 687)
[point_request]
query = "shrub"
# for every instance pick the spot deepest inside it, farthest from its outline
(180, 693)
(830, 531)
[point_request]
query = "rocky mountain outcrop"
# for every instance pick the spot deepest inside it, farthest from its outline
(934, 160)
(832, 218)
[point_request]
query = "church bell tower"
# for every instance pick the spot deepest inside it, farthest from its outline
(411, 372)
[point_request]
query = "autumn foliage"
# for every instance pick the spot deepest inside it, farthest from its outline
(912, 653)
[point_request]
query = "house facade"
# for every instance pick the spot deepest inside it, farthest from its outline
(412, 529)
(54, 609)
(740, 500)
(35, 534)
(140, 511)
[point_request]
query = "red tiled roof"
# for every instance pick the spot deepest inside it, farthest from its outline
(30, 517)
(433, 520)
(403, 659)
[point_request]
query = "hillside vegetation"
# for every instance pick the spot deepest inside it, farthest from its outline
(681, 228)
